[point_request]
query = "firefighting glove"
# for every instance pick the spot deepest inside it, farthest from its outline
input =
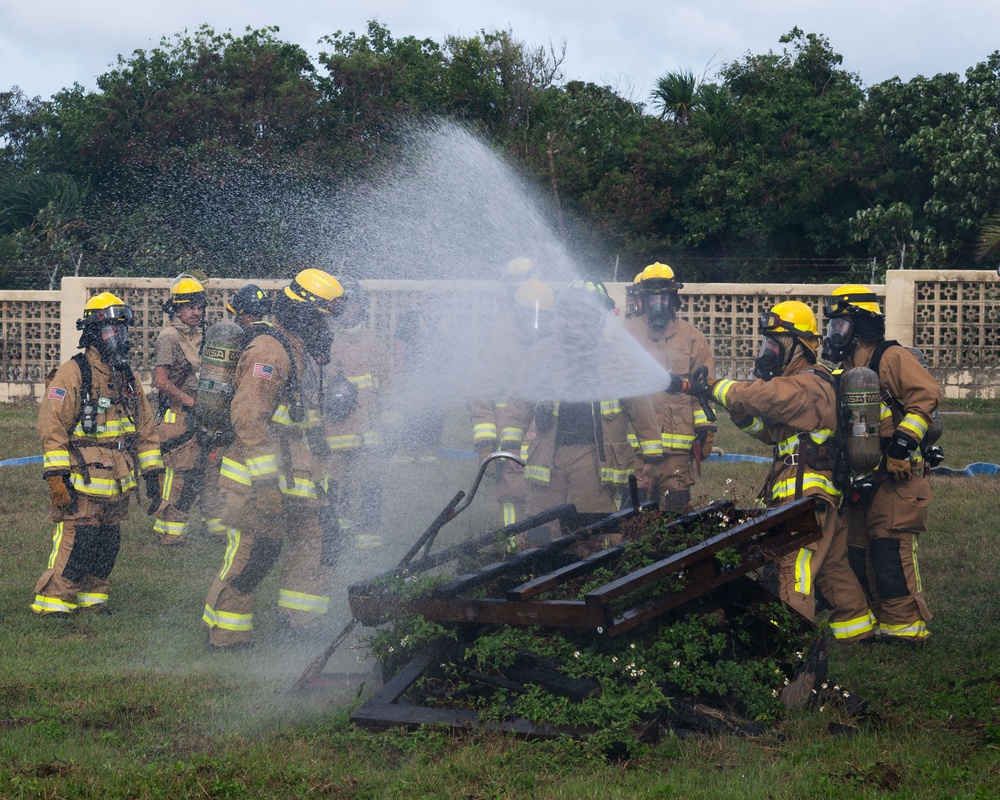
(268, 499)
(61, 492)
(154, 489)
(897, 456)
(704, 437)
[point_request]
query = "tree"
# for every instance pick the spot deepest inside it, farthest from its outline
(675, 95)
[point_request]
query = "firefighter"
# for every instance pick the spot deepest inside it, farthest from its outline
(358, 364)
(272, 475)
(884, 526)
(793, 406)
(680, 348)
(98, 436)
(523, 317)
(175, 376)
(249, 306)
(581, 453)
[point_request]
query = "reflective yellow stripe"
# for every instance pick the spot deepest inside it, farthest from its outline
(509, 514)
(373, 438)
(45, 604)
(700, 418)
(803, 571)
(810, 480)
(346, 441)
(102, 487)
(633, 440)
(618, 477)
(111, 429)
(610, 407)
(677, 441)
(235, 471)
(169, 416)
(227, 620)
(301, 487)
(533, 472)
(367, 381)
(170, 528)
(89, 599)
(756, 425)
(914, 630)
(282, 416)
(651, 447)
(150, 459)
(524, 450)
(721, 390)
(262, 466)
(300, 601)
(508, 435)
(56, 459)
(232, 545)
(853, 627)
(484, 431)
(57, 536)
(168, 483)
(914, 425)
(214, 525)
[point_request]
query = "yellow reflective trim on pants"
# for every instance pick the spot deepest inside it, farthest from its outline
(227, 620)
(300, 601)
(170, 528)
(850, 628)
(48, 605)
(214, 525)
(168, 484)
(611, 407)
(912, 630)
(56, 542)
(235, 471)
(484, 431)
(90, 599)
(232, 544)
(916, 567)
(509, 514)
(803, 571)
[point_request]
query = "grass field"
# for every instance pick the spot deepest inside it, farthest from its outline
(133, 705)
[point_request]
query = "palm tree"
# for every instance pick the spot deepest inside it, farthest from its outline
(714, 114)
(988, 247)
(674, 95)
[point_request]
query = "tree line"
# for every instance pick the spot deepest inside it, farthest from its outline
(783, 166)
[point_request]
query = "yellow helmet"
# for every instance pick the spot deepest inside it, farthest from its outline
(852, 296)
(186, 289)
(637, 279)
(318, 288)
(791, 316)
(534, 293)
(518, 269)
(658, 277)
(105, 307)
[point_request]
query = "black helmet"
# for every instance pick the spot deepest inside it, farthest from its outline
(250, 299)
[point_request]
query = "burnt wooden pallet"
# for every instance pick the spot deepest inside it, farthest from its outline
(512, 600)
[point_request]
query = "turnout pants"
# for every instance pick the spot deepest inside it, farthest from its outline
(84, 550)
(255, 542)
(824, 565)
(575, 478)
(883, 540)
(192, 476)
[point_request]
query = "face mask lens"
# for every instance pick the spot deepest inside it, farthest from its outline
(839, 331)
(770, 359)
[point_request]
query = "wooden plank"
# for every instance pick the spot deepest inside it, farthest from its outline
(798, 513)
(545, 583)
(572, 614)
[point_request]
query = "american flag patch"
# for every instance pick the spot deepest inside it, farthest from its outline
(263, 371)
(55, 393)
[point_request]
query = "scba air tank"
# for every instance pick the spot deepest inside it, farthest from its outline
(863, 440)
(223, 344)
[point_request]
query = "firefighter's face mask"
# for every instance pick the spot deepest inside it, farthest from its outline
(770, 360)
(114, 344)
(660, 308)
(839, 341)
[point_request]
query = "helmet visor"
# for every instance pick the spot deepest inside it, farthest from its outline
(122, 314)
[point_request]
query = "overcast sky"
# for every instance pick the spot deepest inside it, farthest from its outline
(47, 45)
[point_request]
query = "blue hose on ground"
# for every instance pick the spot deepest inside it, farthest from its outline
(19, 462)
